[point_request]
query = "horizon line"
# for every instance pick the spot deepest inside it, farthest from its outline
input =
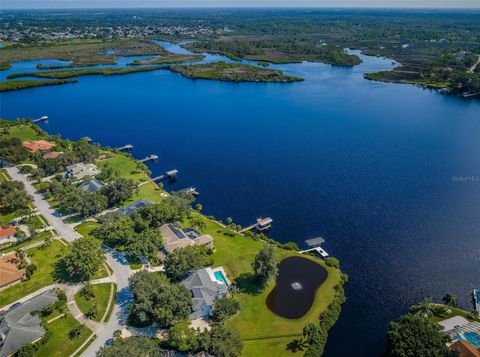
(3, 8)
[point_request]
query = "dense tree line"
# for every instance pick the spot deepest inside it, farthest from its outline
(12, 151)
(138, 234)
(84, 259)
(72, 200)
(182, 261)
(157, 301)
(280, 49)
(13, 196)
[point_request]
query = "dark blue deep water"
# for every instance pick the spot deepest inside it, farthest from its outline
(366, 165)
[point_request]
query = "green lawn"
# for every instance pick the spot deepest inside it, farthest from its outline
(45, 260)
(150, 191)
(86, 228)
(438, 316)
(5, 219)
(256, 320)
(39, 238)
(23, 132)
(269, 347)
(4, 176)
(60, 343)
(125, 166)
(33, 223)
(46, 274)
(102, 294)
(235, 254)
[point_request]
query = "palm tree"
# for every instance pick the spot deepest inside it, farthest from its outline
(425, 307)
(450, 300)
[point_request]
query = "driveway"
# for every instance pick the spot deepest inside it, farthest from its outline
(44, 208)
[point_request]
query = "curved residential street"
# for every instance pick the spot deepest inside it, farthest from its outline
(121, 272)
(116, 260)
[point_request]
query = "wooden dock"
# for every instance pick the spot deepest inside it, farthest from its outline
(170, 175)
(127, 147)
(41, 119)
(149, 158)
(319, 250)
(261, 225)
(476, 299)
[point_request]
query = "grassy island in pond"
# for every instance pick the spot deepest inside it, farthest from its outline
(233, 72)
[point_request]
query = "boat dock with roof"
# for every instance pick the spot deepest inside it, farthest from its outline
(314, 245)
(261, 225)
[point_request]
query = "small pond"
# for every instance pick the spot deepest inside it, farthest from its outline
(297, 282)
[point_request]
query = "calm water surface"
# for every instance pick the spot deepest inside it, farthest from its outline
(297, 282)
(386, 173)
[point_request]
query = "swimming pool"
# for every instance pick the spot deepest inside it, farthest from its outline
(472, 337)
(220, 277)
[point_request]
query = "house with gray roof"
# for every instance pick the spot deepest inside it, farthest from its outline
(91, 186)
(80, 171)
(19, 327)
(128, 210)
(205, 289)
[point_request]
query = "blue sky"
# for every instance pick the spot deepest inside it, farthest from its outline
(9, 4)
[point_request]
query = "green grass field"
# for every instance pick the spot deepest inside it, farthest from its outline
(46, 274)
(45, 260)
(5, 219)
(102, 293)
(86, 228)
(254, 320)
(60, 343)
(23, 132)
(39, 238)
(4, 176)
(125, 166)
(33, 223)
(268, 347)
(439, 316)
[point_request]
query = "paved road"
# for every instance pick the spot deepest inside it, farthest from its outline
(52, 216)
(122, 272)
(121, 269)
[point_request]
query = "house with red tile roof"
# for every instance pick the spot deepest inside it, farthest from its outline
(52, 154)
(39, 145)
(463, 348)
(9, 270)
(8, 232)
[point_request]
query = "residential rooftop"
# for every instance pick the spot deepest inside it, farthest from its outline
(19, 327)
(175, 238)
(7, 232)
(9, 269)
(91, 185)
(80, 171)
(38, 145)
(52, 154)
(205, 289)
(129, 209)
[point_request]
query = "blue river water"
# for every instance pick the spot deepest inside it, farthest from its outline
(388, 174)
